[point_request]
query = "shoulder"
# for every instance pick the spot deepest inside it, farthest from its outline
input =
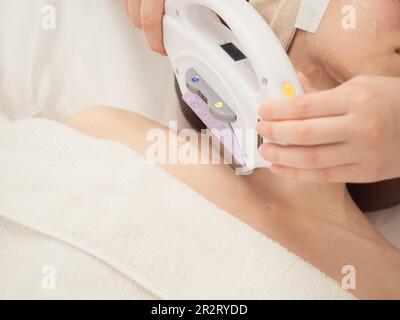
(114, 124)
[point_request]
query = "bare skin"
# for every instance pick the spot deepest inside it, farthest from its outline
(318, 222)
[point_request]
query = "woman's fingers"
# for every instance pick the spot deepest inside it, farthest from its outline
(328, 175)
(306, 132)
(126, 6)
(152, 13)
(148, 15)
(312, 105)
(134, 9)
(317, 157)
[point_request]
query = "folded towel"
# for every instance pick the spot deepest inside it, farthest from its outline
(34, 259)
(103, 200)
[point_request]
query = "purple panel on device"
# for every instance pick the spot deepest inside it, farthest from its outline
(222, 130)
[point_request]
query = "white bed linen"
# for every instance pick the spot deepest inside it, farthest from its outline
(94, 57)
(103, 199)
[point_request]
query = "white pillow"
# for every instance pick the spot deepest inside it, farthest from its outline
(93, 57)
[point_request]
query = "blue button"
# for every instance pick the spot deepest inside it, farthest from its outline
(195, 79)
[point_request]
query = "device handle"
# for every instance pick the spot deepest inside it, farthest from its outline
(245, 22)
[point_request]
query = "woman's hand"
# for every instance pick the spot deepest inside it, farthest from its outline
(347, 134)
(147, 15)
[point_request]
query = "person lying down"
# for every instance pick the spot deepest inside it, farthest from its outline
(318, 222)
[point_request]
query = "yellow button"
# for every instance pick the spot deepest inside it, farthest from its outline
(289, 90)
(219, 104)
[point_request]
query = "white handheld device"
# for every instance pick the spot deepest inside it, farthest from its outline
(227, 73)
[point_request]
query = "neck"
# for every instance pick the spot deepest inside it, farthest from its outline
(305, 56)
(321, 201)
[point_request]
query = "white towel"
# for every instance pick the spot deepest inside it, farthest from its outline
(103, 200)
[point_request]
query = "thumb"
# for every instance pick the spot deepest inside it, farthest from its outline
(306, 83)
(126, 6)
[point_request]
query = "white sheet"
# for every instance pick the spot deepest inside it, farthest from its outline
(93, 57)
(103, 199)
